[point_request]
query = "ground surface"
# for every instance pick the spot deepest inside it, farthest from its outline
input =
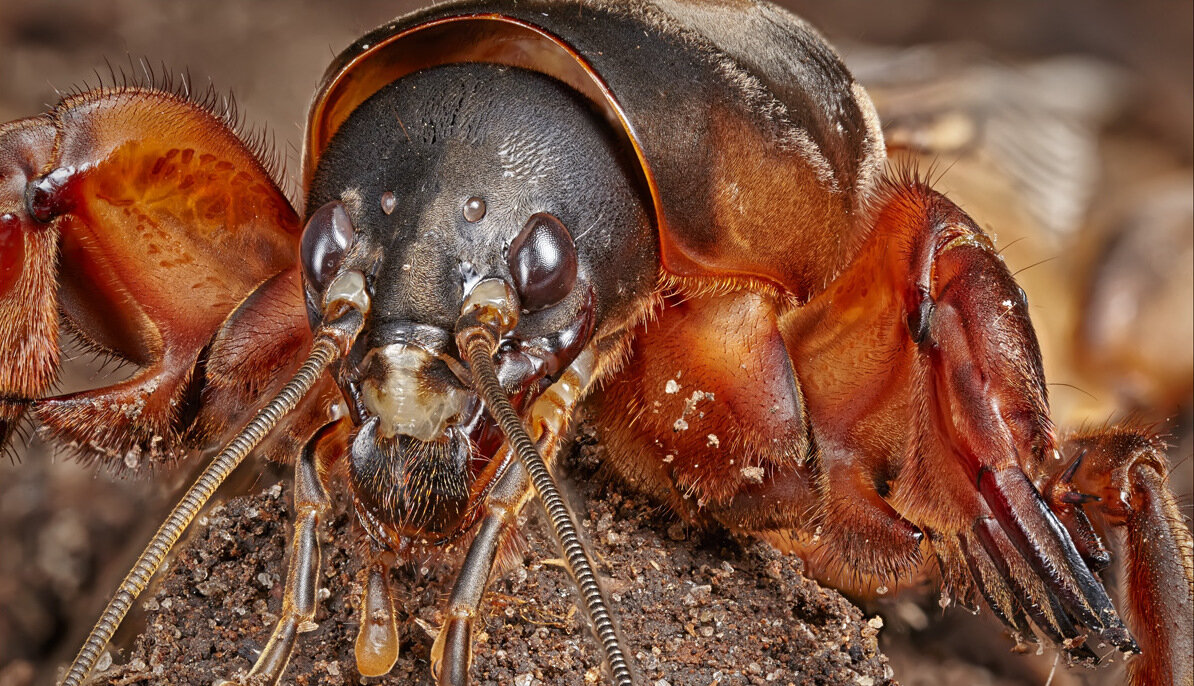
(696, 609)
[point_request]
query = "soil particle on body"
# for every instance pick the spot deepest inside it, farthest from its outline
(696, 608)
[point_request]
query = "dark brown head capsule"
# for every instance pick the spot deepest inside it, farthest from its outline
(532, 148)
(492, 165)
(774, 154)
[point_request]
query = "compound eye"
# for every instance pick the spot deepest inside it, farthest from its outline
(542, 261)
(325, 241)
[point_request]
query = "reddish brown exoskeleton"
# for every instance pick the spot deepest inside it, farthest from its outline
(516, 202)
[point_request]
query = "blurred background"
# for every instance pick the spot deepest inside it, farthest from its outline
(1066, 128)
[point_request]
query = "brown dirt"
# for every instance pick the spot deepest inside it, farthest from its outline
(697, 608)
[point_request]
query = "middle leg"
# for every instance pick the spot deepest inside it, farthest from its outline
(710, 417)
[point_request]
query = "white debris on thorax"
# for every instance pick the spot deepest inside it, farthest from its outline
(753, 474)
(681, 423)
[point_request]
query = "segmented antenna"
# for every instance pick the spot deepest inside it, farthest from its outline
(479, 343)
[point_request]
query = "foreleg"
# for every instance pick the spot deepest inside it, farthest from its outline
(921, 362)
(710, 418)
(28, 276)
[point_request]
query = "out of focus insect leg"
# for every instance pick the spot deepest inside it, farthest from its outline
(302, 575)
(1119, 477)
(28, 276)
